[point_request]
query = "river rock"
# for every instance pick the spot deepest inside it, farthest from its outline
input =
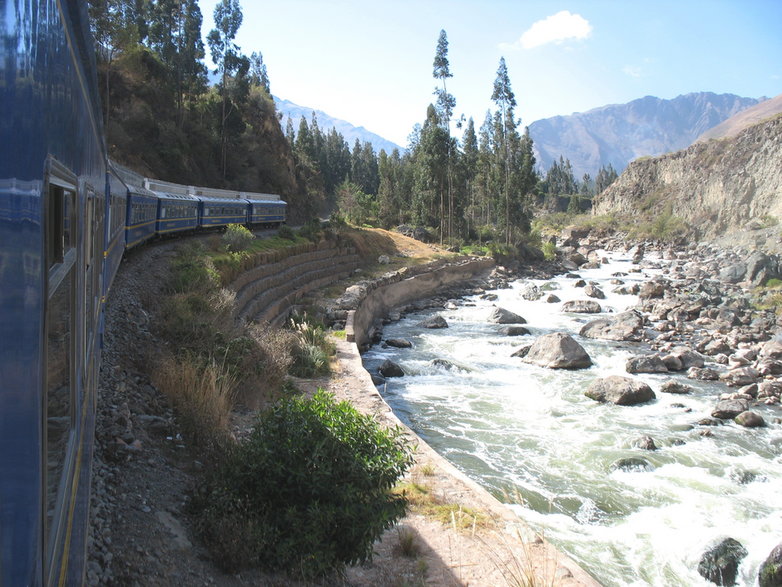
(503, 316)
(628, 290)
(733, 273)
(558, 351)
(399, 343)
(631, 464)
(675, 387)
(513, 331)
(770, 572)
(750, 419)
(702, 374)
(740, 376)
(390, 369)
(594, 292)
(522, 352)
(720, 563)
(434, 322)
(582, 307)
(531, 292)
(625, 326)
(771, 349)
(687, 356)
(651, 290)
(622, 391)
(551, 299)
(645, 443)
(645, 364)
(673, 363)
(728, 409)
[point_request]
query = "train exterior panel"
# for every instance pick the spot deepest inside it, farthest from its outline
(176, 213)
(267, 212)
(222, 211)
(141, 216)
(66, 217)
(52, 180)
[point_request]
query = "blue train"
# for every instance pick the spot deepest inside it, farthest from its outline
(67, 214)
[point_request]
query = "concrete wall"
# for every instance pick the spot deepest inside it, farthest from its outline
(379, 301)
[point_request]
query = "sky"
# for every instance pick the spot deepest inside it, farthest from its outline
(369, 62)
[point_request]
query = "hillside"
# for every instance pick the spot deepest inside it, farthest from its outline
(717, 187)
(288, 109)
(744, 119)
(619, 133)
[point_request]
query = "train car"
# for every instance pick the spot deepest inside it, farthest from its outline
(222, 211)
(176, 213)
(141, 216)
(268, 212)
(54, 228)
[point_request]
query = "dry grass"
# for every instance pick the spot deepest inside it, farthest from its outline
(522, 561)
(424, 501)
(202, 396)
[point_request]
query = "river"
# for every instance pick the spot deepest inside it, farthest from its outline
(530, 436)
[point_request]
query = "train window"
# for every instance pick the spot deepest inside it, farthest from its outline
(59, 337)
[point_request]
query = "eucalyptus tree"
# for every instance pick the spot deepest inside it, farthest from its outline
(469, 160)
(502, 95)
(444, 105)
(259, 76)
(225, 54)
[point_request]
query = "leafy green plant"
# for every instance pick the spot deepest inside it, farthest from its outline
(237, 237)
(311, 230)
(286, 232)
(549, 250)
(309, 491)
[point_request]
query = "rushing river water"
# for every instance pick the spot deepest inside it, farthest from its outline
(530, 436)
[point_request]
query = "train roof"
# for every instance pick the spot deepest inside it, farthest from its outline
(212, 200)
(170, 196)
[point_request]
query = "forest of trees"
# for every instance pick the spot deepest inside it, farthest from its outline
(163, 119)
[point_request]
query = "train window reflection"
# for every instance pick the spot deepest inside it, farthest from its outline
(59, 339)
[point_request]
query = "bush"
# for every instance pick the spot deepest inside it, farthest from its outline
(549, 250)
(312, 350)
(309, 491)
(311, 230)
(237, 237)
(286, 232)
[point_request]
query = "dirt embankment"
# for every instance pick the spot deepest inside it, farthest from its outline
(142, 534)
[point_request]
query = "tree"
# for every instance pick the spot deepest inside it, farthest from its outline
(444, 105)
(605, 177)
(258, 74)
(503, 97)
(225, 54)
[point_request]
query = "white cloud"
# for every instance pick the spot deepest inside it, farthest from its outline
(556, 28)
(632, 70)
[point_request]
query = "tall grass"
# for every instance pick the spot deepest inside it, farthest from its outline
(202, 395)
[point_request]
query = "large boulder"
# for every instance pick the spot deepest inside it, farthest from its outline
(728, 409)
(645, 364)
(750, 419)
(390, 369)
(503, 316)
(687, 356)
(582, 307)
(513, 331)
(622, 391)
(531, 292)
(399, 343)
(675, 387)
(434, 322)
(625, 326)
(772, 349)
(558, 351)
(594, 292)
(770, 572)
(733, 273)
(740, 377)
(720, 563)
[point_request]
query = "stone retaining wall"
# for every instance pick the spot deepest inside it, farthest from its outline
(379, 301)
(266, 292)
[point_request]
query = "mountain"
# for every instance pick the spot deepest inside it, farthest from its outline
(288, 109)
(744, 119)
(717, 187)
(619, 133)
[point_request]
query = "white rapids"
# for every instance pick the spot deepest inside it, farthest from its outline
(530, 436)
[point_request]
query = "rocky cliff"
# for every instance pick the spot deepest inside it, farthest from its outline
(717, 187)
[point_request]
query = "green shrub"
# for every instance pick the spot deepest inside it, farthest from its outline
(549, 250)
(237, 237)
(313, 348)
(311, 230)
(309, 491)
(192, 271)
(286, 232)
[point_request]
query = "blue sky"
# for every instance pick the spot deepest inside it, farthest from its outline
(370, 62)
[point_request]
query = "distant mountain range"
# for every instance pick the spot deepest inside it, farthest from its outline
(325, 122)
(619, 133)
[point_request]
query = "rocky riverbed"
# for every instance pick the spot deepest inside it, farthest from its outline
(697, 319)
